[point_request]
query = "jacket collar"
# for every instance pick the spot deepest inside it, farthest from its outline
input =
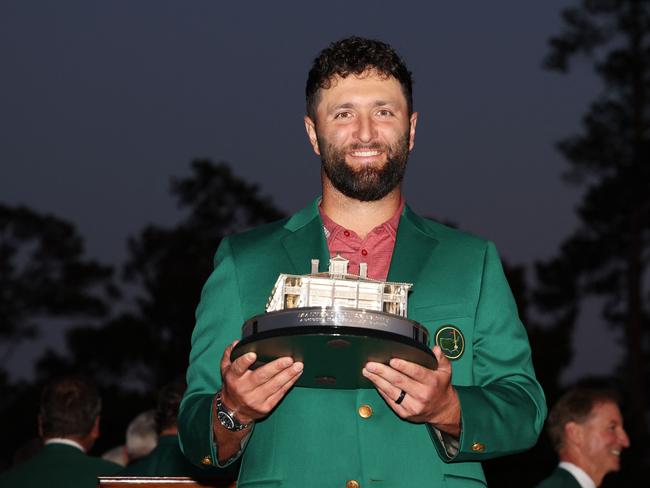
(306, 241)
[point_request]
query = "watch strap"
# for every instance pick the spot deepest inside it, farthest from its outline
(227, 417)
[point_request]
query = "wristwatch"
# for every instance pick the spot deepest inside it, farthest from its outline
(227, 417)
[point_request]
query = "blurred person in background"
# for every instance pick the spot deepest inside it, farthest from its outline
(68, 423)
(167, 459)
(586, 431)
(141, 439)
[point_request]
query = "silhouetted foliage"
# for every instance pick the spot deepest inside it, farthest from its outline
(171, 265)
(43, 275)
(130, 355)
(608, 255)
(168, 266)
(45, 281)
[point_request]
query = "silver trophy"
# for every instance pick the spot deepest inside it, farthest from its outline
(335, 322)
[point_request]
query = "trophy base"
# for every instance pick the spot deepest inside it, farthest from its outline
(334, 354)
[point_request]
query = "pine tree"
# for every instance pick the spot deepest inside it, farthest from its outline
(608, 255)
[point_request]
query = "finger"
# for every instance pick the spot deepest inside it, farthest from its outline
(384, 386)
(389, 374)
(241, 365)
(225, 359)
(264, 373)
(412, 370)
(389, 394)
(261, 400)
(275, 398)
(280, 379)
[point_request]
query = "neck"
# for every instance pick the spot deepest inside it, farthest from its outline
(169, 431)
(79, 440)
(360, 217)
(593, 471)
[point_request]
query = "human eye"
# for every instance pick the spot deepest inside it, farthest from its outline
(342, 115)
(384, 112)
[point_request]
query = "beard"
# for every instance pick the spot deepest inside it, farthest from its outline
(369, 183)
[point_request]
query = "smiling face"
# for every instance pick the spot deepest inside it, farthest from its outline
(363, 134)
(601, 439)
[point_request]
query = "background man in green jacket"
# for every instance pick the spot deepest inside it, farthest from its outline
(167, 459)
(417, 427)
(68, 422)
(586, 430)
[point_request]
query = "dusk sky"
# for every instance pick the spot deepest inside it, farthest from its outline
(101, 102)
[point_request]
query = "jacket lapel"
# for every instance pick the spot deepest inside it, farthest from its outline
(306, 240)
(413, 248)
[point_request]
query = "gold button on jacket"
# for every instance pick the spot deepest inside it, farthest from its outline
(206, 461)
(365, 411)
(478, 447)
(352, 484)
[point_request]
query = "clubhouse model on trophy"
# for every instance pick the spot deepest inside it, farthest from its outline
(335, 322)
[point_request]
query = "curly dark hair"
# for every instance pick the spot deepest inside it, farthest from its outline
(69, 407)
(354, 55)
(575, 406)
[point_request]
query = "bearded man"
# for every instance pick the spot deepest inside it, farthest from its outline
(417, 427)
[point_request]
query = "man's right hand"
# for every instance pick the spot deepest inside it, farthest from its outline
(252, 394)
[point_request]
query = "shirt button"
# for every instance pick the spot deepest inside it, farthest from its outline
(352, 484)
(206, 461)
(364, 252)
(346, 233)
(365, 411)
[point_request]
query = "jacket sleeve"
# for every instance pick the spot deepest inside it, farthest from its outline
(503, 411)
(218, 324)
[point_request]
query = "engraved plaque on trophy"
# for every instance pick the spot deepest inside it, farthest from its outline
(335, 322)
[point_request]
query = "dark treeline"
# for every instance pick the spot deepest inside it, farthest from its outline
(46, 280)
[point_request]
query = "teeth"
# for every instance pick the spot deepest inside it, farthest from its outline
(365, 153)
(616, 452)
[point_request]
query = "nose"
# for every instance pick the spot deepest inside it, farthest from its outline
(366, 129)
(624, 439)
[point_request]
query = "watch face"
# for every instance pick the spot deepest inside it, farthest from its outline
(226, 420)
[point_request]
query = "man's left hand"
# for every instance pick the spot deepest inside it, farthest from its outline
(429, 396)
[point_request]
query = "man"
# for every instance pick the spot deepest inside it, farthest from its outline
(68, 422)
(167, 459)
(586, 431)
(141, 439)
(405, 432)
(141, 436)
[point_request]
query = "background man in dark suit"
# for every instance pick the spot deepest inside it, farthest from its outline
(68, 422)
(586, 430)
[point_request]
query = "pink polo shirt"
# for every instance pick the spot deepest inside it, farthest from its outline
(376, 249)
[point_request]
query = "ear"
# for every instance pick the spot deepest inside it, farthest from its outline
(573, 433)
(414, 121)
(310, 127)
(94, 432)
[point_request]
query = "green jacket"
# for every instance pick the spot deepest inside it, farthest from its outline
(315, 437)
(560, 478)
(168, 460)
(58, 466)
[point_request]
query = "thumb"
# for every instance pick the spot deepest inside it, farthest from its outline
(444, 365)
